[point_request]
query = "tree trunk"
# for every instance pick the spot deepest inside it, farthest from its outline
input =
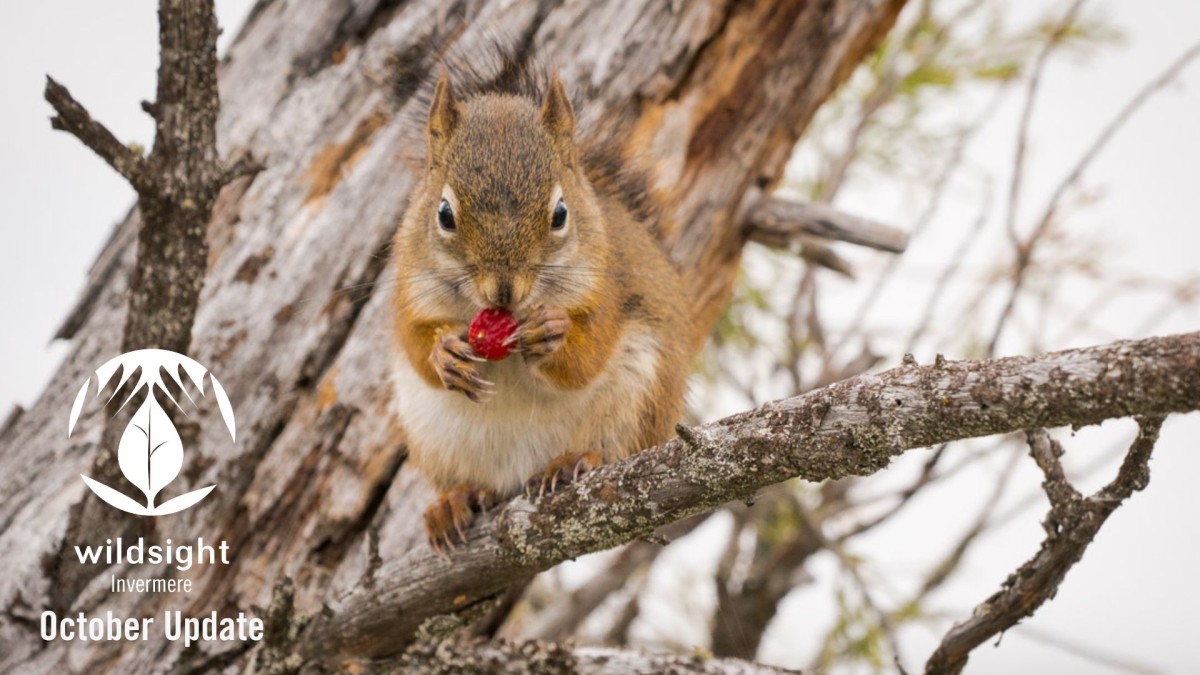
(293, 319)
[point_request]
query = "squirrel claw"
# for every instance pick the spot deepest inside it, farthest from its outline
(461, 349)
(483, 394)
(543, 331)
(454, 362)
(451, 513)
(564, 469)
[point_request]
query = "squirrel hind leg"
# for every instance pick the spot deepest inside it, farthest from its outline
(561, 470)
(451, 513)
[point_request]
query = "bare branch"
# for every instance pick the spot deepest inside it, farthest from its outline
(491, 624)
(543, 657)
(1071, 526)
(247, 165)
(10, 420)
(1035, 79)
(73, 118)
(173, 242)
(814, 252)
(1046, 452)
(1026, 247)
(618, 632)
(1134, 473)
(744, 613)
(559, 621)
(779, 223)
(852, 427)
(177, 184)
(1090, 653)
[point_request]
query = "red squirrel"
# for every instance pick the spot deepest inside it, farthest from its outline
(513, 213)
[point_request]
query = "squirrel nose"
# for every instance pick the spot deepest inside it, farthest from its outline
(504, 293)
(503, 290)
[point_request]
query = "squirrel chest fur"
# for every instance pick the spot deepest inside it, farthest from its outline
(512, 214)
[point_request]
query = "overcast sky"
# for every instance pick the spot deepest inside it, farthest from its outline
(1135, 594)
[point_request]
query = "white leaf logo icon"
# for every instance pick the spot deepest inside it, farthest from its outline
(150, 453)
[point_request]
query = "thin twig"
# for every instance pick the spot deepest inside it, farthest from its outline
(1071, 526)
(618, 632)
(953, 264)
(1053, 40)
(850, 566)
(926, 477)
(943, 570)
(938, 192)
(1086, 652)
(562, 619)
(1024, 249)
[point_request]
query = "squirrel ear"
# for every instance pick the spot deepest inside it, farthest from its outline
(557, 113)
(443, 114)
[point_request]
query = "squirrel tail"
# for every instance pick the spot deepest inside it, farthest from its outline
(614, 172)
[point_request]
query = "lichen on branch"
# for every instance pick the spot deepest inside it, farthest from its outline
(853, 427)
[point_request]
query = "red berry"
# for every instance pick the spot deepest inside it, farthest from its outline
(490, 331)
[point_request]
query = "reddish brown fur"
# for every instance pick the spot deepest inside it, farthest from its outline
(501, 157)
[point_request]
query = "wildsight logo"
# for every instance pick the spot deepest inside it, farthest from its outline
(150, 453)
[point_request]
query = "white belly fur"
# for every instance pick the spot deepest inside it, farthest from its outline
(501, 443)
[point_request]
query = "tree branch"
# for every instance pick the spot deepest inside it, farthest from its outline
(853, 427)
(1024, 248)
(504, 656)
(779, 223)
(71, 117)
(560, 620)
(1071, 525)
(776, 567)
(177, 184)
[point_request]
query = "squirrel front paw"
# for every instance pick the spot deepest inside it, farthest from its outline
(457, 367)
(543, 331)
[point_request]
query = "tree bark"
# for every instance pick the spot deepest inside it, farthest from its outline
(538, 657)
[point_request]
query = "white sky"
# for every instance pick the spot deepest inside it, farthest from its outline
(1135, 594)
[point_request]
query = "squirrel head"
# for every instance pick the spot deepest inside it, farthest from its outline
(505, 216)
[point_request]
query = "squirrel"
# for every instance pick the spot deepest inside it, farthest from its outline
(511, 212)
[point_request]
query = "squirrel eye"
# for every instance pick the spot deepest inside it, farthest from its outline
(445, 216)
(559, 220)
